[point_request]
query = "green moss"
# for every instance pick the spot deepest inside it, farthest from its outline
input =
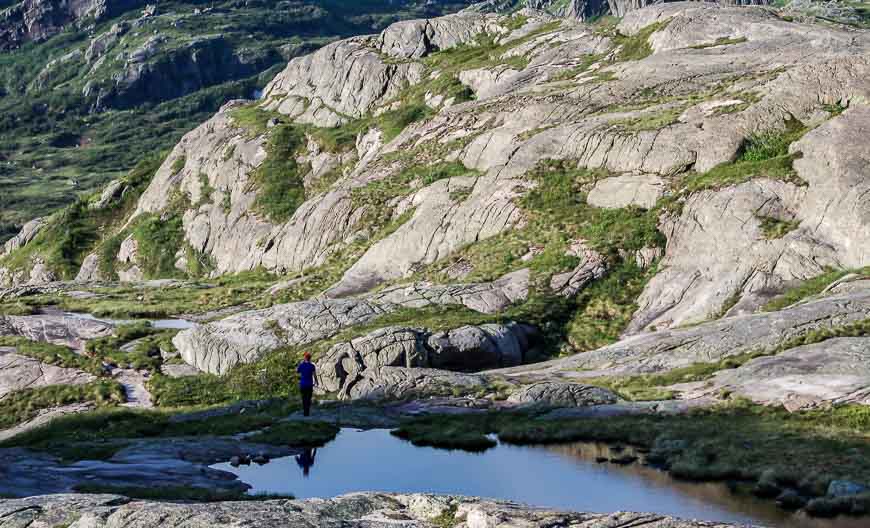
(774, 228)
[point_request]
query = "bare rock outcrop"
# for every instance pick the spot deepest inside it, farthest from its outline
(28, 232)
(466, 348)
(243, 338)
(559, 394)
(812, 376)
(69, 331)
(665, 350)
(19, 372)
(373, 510)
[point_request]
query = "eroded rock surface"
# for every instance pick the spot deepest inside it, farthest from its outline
(811, 376)
(563, 395)
(466, 348)
(19, 372)
(70, 331)
(373, 510)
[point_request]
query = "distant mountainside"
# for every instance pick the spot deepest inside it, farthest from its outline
(88, 87)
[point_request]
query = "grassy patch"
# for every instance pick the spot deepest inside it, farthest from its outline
(146, 353)
(763, 155)
(637, 46)
(297, 434)
(158, 239)
(804, 290)
(278, 180)
(774, 228)
(651, 120)
(101, 431)
(19, 407)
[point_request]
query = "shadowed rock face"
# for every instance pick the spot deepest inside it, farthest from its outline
(373, 510)
(466, 348)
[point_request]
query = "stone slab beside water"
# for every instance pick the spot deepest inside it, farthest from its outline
(369, 510)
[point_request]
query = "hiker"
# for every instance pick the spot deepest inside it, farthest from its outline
(306, 460)
(306, 372)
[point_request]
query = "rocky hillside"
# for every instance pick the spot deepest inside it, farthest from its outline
(88, 87)
(484, 190)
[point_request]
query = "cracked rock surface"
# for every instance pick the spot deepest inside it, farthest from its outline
(358, 510)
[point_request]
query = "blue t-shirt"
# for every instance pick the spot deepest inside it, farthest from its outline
(306, 374)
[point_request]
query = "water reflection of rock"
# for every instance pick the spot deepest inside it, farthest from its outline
(716, 493)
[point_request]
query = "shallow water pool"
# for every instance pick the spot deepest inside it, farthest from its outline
(564, 477)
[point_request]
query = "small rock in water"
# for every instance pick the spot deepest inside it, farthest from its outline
(260, 459)
(235, 461)
(602, 460)
(623, 460)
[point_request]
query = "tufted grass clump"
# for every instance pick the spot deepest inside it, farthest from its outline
(21, 406)
(637, 46)
(775, 228)
(297, 434)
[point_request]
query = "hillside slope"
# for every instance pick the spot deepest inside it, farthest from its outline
(88, 87)
(484, 190)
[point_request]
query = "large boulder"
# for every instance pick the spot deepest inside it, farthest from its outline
(466, 348)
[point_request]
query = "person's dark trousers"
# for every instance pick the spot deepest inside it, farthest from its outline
(306, 399)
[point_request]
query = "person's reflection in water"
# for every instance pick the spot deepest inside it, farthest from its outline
(306, 460)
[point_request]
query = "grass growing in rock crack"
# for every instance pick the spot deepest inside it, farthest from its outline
(807, 289)
(764, 155)
(650, 387)
(774, 228)
(637, 46)
(21, 406)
